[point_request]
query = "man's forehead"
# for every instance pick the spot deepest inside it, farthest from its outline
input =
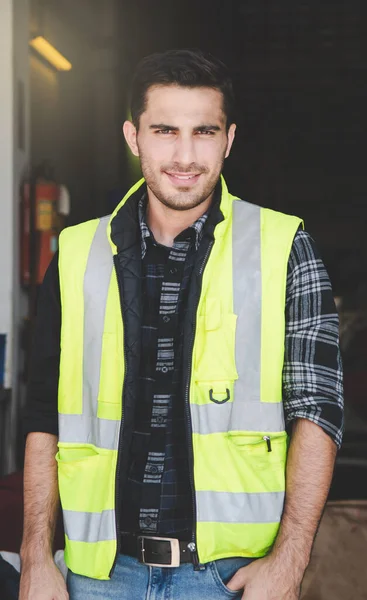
(175, 102)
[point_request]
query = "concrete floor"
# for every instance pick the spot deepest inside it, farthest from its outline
(338, 567)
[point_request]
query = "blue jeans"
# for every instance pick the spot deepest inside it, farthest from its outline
(132, 580)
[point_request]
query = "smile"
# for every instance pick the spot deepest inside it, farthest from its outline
(182, 176)
(188, 178)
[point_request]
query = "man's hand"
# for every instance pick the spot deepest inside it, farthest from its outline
(266, 579)
(40, 577)
(42, 582)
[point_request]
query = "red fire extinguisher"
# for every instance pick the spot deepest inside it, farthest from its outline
(44, 206)
(41, 225)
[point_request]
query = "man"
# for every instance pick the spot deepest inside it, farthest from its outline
(196, 330)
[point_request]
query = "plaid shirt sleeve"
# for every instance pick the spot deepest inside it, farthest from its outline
(312, 372)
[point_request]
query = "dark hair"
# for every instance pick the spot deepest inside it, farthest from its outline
(187, 68)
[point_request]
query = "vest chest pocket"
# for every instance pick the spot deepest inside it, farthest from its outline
(215, 348)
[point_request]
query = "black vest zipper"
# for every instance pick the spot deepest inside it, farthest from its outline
(192, 547)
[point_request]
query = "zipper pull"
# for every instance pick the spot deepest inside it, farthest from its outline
(266, 438)
(194, 557)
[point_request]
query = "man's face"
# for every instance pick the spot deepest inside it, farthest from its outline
(182, 143)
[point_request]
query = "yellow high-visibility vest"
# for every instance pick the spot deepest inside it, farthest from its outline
(234, 395)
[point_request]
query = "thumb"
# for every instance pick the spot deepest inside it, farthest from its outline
(238, 580)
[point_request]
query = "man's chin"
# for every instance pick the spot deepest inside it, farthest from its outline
(182, 203)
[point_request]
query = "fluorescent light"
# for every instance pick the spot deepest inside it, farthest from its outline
(50, 53)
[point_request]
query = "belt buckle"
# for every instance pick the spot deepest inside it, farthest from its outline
(175, 551)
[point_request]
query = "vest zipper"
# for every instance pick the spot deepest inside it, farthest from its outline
(117, 480)
(266, 438)
(192, 547)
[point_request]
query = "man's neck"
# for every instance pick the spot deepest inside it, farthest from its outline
(166, 223)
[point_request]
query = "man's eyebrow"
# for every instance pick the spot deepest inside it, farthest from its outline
(163, 126)
(172, 128)
(207, 128)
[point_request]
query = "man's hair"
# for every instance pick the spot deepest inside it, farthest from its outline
(187, 68)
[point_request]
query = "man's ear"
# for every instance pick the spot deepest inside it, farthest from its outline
(230, 137)
(129, 130)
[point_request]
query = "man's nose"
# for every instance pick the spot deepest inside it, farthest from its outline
(185, 153)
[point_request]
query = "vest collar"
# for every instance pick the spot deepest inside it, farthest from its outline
(123, 226)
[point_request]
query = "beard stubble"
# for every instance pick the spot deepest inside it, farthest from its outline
(184, 198)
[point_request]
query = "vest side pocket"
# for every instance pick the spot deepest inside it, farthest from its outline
(86, 477)
(259, 470)
(261, 450)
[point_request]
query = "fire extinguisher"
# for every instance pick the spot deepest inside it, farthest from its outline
(40, 226)
(44, 206)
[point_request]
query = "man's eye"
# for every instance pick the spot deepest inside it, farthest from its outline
(205, 132)
(164, 131)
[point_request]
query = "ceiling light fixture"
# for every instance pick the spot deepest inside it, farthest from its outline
(50, 53)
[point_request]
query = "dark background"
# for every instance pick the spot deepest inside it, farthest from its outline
(299, 71)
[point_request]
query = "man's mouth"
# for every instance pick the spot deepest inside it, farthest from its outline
(180, 178)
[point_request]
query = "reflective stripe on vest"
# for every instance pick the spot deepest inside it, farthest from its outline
(247, 305)
(239, 508)
(96, 285)
(214, 418)
(82, 429)
(89, 527)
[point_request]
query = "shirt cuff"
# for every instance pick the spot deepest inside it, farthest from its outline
(329, 417)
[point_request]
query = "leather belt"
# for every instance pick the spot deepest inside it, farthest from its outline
(155, 551)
